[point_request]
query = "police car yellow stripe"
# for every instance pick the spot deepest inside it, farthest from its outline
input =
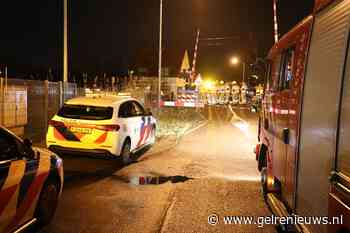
(26, 209)
(41, 175)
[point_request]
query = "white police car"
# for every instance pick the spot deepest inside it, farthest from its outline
(106, 125)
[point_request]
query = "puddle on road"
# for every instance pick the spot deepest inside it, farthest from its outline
(156, 180)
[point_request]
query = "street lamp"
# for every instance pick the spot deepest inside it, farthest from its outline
(235, 61)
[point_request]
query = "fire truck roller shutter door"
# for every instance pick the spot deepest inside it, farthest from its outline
(318, 121)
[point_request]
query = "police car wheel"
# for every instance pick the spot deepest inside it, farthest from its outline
(47, 203)
(126, 153)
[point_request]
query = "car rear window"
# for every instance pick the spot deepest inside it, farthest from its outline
(86, 112)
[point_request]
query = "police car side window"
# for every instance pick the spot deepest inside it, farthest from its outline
(8, 147)
(139, 110)
(126, 110)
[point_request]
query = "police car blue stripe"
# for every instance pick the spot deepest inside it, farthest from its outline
(28, 178)
(4, 170)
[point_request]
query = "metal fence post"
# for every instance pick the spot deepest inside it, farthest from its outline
(46, 105)
(61, 93)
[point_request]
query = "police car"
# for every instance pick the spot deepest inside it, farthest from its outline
(101, 125)
(31, 181)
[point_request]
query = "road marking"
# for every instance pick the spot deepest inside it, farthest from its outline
(196, 128)
(240, 123)
(210, 114)
(235, 115)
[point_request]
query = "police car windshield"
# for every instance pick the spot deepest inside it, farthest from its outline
(86, 112)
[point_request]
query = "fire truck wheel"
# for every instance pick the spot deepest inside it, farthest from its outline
(264, 182)
(47, 204)
(126, 153)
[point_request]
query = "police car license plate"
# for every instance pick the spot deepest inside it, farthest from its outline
(80, 130)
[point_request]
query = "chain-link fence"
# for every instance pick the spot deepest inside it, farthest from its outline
(26, 106)
(146, 89)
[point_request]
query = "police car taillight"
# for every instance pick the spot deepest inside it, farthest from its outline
(55, 123)
(108, 127)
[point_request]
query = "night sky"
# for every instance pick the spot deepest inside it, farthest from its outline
(114, 36)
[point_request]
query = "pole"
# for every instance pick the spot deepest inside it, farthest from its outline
(160, 53)
(5, 80)
(195, 55)
(65, 41)
(275, 20)
(243, 72)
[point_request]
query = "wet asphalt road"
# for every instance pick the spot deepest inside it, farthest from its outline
(211, 171)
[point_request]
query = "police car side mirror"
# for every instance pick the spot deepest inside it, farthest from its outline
(29, 152)
(28, 143)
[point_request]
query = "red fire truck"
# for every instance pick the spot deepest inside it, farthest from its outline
(304, 128)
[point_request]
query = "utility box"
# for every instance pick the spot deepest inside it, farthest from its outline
(14, 114)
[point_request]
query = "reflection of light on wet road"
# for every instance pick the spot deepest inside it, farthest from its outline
(243, 126)
(210, 118)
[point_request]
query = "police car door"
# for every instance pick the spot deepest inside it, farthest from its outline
(131, 122)
(12, 173)
(144, 122)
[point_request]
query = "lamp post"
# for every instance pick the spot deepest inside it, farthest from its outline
(235, 61)
(160, 54)
(65, 41)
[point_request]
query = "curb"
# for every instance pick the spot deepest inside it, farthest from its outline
(189, 131)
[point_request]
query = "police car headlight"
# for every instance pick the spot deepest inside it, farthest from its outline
(59, 161)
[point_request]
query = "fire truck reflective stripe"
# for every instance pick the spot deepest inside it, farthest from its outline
(67, 134)
(9, 193)
(284, 112)
(29, 202)
(102, 138)
(293, 112)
